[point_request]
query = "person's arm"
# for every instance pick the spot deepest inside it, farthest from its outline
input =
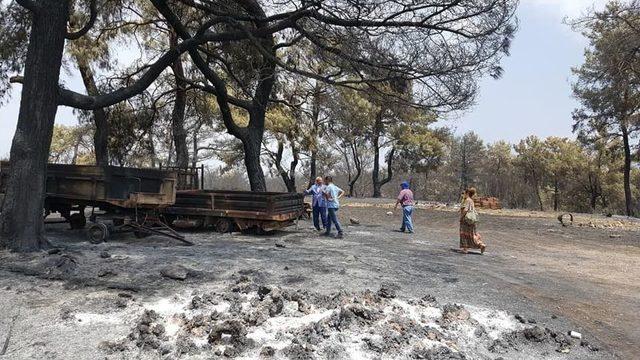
(340, 193)
(312, 190)
(398, 200)
(464, 209)
(326, 194)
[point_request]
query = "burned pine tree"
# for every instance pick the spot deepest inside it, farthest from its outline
(442, 69)
(607, 84)
(21, 224)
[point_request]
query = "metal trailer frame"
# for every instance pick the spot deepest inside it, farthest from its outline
(148, 201)
(189, 178)
(229, 210)
(129, 199)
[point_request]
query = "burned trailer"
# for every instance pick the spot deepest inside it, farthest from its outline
(227, 211)
(121, 199)
(147, 202)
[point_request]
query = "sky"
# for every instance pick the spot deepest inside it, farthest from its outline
(534, 95)
(532, 98)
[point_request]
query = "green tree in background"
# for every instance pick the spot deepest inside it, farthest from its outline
(565, 159)
(608, 83)
(422, 151)
(531, 163)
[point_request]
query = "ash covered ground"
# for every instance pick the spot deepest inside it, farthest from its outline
(247, 320)
(377, 294)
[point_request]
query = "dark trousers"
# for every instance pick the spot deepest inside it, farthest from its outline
(333, 218)
(320, 213)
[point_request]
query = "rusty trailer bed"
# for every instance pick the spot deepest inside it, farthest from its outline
(151, 194)
(242, 209)
(106, 186)
(110, 186)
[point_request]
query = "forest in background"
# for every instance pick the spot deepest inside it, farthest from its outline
(551, 173)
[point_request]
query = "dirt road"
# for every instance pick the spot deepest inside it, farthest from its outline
(562, 278)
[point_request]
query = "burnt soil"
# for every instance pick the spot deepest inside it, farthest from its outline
(154, 298)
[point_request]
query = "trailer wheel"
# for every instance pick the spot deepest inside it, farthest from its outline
(97, 233)
(224, 225)
(77, 221)
(260, 230)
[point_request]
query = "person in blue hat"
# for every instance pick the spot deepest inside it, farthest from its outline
(405, 199)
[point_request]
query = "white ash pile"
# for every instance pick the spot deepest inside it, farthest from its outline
(250, 321)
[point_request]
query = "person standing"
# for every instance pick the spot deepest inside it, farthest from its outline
(319, 203)
(333, 194)
(469, 237)
(405, 199)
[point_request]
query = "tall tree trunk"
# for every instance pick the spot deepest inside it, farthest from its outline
(313, 167)
(538, 196)
(605, 201)
(288, 176)
(390, 157)
(556, 195)
(540, 205)
(426, 184)
(375, 175)
(379, 183)
(593, 192)
(347, 163)
(292, 168)
(252, 143)
(100, 120)
(315, 132)
(22, 223)
(357, 163)
(179, 106)
(627, 172)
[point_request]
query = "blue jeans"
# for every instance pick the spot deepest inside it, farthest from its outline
(333, 218)
(407, 223)
(319, 212)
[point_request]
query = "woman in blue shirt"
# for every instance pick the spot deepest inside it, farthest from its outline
(333, 194)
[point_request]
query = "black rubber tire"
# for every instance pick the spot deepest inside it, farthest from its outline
(97, 233)
(224, 225)
(77, 221)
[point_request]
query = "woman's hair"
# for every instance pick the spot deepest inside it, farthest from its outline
(471, 192)
(328, 179)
